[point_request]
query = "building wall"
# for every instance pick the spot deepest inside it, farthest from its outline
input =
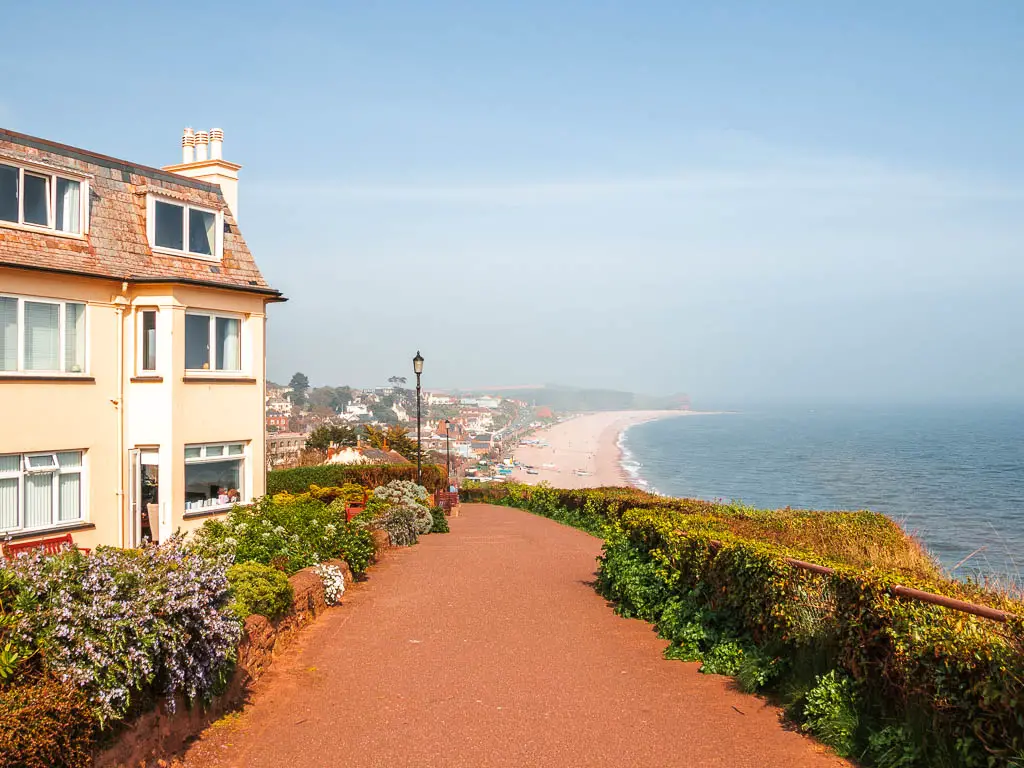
(73, 413)
(165, 410)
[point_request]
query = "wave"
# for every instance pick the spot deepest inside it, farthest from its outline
(630, 466)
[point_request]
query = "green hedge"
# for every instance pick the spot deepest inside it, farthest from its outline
(300, 479)
(886, 680)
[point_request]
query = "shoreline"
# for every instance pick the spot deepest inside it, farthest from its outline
(585, 451)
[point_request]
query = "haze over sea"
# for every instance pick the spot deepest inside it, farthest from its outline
(952, 476)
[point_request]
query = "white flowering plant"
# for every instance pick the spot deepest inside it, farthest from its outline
(334, 582)
(403, 510)
(119, 623)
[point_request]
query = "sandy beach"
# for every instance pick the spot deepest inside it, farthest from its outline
(584, 444)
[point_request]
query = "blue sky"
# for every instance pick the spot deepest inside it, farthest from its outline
(788, 200)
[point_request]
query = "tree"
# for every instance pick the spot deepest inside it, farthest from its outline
(397, 381)
(326, 435)
(396, 438)
(299, 385)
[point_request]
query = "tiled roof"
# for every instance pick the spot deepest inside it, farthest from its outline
(117, 245)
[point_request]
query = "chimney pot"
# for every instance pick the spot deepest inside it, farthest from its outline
(188, 143)
(202, 142)
(216, 143)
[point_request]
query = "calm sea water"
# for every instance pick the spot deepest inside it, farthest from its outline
(954, 477)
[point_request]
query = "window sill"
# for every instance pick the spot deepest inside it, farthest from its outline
(222, 509)
(69, 378)
(146, 379)
(213, 379)
(185, 254)
(18, 535)
(42, 230)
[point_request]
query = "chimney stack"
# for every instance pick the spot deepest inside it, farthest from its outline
(202, 142)
(202, 157)
(216, 144)
(188, 146)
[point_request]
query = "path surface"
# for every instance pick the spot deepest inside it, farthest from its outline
(488, 647)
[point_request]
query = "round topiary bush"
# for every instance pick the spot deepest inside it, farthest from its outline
(259, 589)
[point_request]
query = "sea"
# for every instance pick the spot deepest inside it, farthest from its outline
(952, 476)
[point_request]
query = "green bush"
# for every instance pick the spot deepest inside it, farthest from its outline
(440, 520)
(257, 588)
(830, 712)
(45, 724)
(290, 533)
(300, 479)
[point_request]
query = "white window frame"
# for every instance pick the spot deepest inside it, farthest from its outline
(140, 359)
(24, 470)
(20, 369)
(51, 226)
(218, 228)
(203, 458)
(212, 317)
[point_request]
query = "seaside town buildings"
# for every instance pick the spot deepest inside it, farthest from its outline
(132, 354)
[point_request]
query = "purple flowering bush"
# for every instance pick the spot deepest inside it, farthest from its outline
(121, 623)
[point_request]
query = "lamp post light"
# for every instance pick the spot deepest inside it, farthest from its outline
(417, 367)
(447, 454)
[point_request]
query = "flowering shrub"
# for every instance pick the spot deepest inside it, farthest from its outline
(259, 589)
(289, 533)
(334, 582)
(402, 492)
(402, 508)
(119, 622)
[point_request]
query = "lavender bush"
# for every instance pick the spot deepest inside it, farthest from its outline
(120, 622)
(402, 507)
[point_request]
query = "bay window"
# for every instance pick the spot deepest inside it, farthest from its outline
(41, 335)
(38, 198)
(214, 475)
(41, 490)
(213, 342)
(185, 229)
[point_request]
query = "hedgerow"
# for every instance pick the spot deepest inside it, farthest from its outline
(887, 680)
(300, 479)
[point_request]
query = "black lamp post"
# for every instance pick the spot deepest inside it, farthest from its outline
(447, 454)
(417, 367)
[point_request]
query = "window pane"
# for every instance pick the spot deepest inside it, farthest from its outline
(201, 231)
(236, 449)
(193, 451)
(215, 450)
(69, 459)
(8, 193)
(217, 482)
(42, 344)
(149, 340)
(10, 463)
(38, 499)
(8, 333)
(169, 225)
(70, 492)
(8, 502)
(69, 205)
(228, 349)
(37, 199)
(41, 461)
(74, 338)
(197, 342)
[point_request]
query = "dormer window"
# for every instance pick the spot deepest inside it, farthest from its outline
(185, 229)
(39, 199)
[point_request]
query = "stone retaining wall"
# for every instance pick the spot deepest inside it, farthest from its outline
(160, 733)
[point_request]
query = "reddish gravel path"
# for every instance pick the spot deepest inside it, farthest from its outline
(488, 647)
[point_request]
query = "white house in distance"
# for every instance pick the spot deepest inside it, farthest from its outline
(132, 343)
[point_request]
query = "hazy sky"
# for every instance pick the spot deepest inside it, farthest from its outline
(737, 200)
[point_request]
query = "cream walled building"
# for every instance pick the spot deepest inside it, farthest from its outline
(132, 344)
